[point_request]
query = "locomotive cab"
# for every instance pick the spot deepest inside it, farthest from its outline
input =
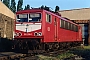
(28, 29)
(28, 25)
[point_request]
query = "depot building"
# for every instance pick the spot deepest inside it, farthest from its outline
(6, 22)
(81, 17)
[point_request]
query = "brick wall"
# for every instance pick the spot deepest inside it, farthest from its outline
(6, 26)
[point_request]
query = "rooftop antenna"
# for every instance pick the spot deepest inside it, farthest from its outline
(34, 8)
(51, 8)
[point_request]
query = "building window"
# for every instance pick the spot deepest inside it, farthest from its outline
(48, 18)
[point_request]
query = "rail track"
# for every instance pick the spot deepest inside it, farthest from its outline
(11, 55)
(20, 56)
(56, 53)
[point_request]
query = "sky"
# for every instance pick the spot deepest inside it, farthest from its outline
(63, 4)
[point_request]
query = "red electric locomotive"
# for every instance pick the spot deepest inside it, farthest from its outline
(39, 29)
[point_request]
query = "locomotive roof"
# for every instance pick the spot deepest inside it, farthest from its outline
(39, 10)
(29, 10)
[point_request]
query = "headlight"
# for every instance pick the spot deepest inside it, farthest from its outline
(18, 34)
(15, 34)
(39, 34)
(35, 34)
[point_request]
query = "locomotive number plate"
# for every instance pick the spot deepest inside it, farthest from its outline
(27, 34)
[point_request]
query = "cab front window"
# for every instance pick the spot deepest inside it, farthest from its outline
(34, 17)
(30, 17)
(22, 18)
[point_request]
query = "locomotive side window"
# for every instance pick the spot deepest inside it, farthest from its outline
(62, 23)
(69, 26)
(72, 27)
(48, 17)
(66, 25)
(76, 28)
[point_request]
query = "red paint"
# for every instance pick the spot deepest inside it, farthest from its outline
(51, 32)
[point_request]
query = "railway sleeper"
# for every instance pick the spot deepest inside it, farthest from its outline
(11, 55)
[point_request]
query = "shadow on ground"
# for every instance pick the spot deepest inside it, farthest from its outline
(5, 45)
(84, 53)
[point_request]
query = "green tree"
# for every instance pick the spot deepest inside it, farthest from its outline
(25, 8)
(56, 8)
(7, 3)
(13, 6)
(19, 5)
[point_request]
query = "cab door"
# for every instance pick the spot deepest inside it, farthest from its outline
(56, 29)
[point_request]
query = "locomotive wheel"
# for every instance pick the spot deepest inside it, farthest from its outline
(46, 47)
(18, 45)
(25, 45)
(39, 46)
(56, 46)
(61, 46)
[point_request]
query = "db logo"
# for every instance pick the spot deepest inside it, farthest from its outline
(48, 28)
